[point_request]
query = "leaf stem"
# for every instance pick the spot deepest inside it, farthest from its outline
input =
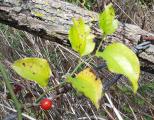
(103, 39)
(76, 68)
(10, 89)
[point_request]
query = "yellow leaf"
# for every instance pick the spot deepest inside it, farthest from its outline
(81, 38)
(122, 60)
(87, 83)
(34, 69)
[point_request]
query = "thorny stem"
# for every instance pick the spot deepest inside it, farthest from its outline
(10, 89)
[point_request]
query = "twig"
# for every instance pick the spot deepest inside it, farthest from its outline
(149, 38)
(114, 108)
(135, 118)
(13, 110)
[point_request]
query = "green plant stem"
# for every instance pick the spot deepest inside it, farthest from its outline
(10, 89)
(59, 85)
(76, 68)
(50, 89)
(103, 39)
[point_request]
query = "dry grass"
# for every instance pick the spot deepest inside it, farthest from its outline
(16, 44)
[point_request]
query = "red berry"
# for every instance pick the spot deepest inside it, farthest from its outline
(46, 104)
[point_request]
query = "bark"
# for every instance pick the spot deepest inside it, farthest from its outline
(51, 19)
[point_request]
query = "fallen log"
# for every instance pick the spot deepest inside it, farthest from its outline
(51, 19)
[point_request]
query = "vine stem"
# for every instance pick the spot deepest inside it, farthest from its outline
(10, 89)
(50, 89)
(59, 85)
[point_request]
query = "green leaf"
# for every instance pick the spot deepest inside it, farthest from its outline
(107, 21)
(34, 69)
(80, 37)
(122, 60)
(87, 83)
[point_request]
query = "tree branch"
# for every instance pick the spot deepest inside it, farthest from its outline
(51, 19)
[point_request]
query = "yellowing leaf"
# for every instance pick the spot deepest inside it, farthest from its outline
(87, 83)
(107, 21)
(34, 69)
(80, 38)
(122, 60)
